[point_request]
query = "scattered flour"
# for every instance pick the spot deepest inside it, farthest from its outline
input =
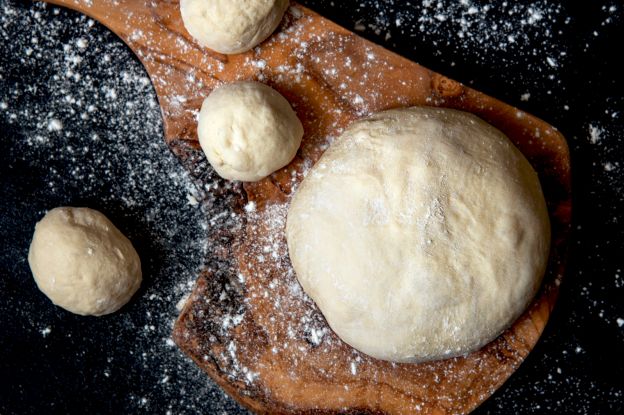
(82, 148)
(86, 129)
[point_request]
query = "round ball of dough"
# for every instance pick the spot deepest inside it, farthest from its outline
(82, 262)
(232, 26)
(248, 131)
(421, 234)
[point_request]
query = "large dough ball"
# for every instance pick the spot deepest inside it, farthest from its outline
(248, 131)
(421, 234)
(232, 26)
(82, 262)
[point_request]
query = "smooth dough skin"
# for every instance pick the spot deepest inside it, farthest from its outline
(82, 262)
(248, 130)
(421, 234)
(232, 26)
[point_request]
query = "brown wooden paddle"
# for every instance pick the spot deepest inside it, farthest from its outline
(276, 354)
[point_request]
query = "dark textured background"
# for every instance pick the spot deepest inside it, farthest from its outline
(53, 65)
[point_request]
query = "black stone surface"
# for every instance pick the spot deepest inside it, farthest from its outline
(559, 60)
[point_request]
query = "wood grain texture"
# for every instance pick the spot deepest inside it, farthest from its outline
(332, 77)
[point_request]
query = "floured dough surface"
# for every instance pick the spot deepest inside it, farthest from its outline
(421, 234)
(232, 26)
(248, 130)
(82, 262)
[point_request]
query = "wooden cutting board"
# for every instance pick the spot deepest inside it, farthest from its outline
(247, 322)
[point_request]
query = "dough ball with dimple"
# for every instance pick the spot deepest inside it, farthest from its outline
(421, 234)
(82, 262)
(248, 130)
(232, 26)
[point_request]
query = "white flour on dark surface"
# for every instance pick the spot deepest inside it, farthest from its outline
(83, 128)
(81, 125)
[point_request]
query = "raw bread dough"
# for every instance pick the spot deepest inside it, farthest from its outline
(82, 262)
(229, 26)
(248, 130)
(421, 234)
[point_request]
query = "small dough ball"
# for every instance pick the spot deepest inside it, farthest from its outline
(248, 131)
(82, 262)
(232, 26)
(421, 234)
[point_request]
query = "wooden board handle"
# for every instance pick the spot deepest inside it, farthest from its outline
(182, 72)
